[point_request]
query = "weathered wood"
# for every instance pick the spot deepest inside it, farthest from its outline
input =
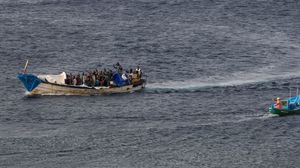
(56, 89)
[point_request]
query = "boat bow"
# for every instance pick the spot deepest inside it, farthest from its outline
(29, 81)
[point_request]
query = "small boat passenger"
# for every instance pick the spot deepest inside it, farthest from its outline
(278, 103)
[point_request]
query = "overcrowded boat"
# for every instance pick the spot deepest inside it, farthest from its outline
(94, 82)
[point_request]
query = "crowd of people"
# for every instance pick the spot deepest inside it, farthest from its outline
(103, 77)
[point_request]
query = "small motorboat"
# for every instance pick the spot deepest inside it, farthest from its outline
(56, 84)
(289, 106)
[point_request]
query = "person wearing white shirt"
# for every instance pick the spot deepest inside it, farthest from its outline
(139, 71)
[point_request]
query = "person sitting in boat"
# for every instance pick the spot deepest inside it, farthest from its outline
(93, 79)
(278, 103)
(67, 80)
(102, 81)
(97, 83)
(89, 81)
(71, 79)
(74, 80)
(78, 80)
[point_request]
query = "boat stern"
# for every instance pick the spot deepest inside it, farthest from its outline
(273, 110)
(279, 112)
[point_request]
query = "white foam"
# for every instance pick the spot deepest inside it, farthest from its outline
(268, 115)
(239, 78)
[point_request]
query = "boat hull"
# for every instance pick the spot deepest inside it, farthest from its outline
(41, 86)
(56, 89)
(282, 112)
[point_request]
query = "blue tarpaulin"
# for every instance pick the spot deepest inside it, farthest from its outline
(293, 102)
(119, 81)
(30, 81)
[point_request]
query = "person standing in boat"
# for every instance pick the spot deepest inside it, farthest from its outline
(130, 74)
(139, 71)
(278, 103)
(118, 67)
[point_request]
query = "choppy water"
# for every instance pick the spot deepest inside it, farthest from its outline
(213, 68)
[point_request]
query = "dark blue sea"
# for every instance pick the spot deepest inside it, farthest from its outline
(213, 68)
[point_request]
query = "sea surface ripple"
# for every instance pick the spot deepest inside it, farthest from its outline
(213, 68)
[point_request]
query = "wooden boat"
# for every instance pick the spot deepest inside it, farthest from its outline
(55, 85)
(289, 106)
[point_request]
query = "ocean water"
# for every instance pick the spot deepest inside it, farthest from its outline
(213, 68)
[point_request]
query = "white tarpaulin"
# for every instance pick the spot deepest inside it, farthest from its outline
(58, 79)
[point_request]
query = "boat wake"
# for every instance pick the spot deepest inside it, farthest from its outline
(237, 79)
(255, 117)
(241, 119)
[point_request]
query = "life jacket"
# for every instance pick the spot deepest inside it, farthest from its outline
(278, 104)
